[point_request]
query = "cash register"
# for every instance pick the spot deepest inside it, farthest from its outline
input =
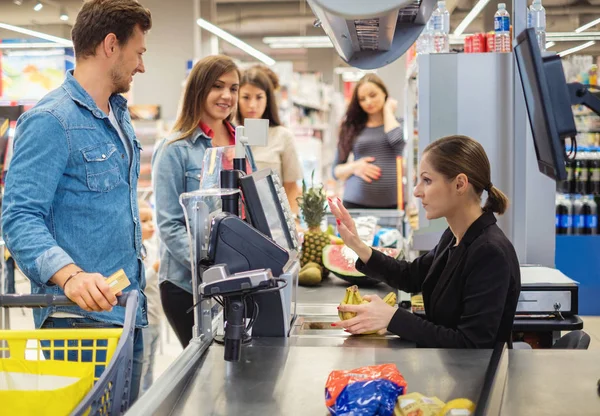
(243, 249)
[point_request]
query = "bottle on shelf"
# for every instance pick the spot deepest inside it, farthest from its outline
(536, 18)
(594, 171)
(590, 212)
(564, 214)
(441, 28)
(582, 171)
(425, 39)
(578, 215)
(502, 29)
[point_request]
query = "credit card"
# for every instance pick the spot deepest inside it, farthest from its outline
(118, 281)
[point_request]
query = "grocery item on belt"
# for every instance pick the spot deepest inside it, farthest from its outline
(415, 404)
(371, 390)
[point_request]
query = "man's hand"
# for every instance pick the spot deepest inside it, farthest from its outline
(90, 292)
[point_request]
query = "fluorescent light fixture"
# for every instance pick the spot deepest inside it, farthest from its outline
(238, 43)
(587, 25)
(38, 6)
(296, 39)
(18, 2)
(470, 17)
(576, 48)
(31, 45)
(63, 14)
(286, 45)
(550, 44)
(36, 34)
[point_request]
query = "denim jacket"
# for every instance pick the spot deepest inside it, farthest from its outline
(176, 168)
(71, 196)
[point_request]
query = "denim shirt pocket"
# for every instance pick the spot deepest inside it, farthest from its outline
(102, 171)
(192, 180)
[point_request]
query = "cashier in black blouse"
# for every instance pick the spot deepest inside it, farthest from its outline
(470, 281)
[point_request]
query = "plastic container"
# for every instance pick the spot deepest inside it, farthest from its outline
(536, 18)
(502, 29)
(441, 28)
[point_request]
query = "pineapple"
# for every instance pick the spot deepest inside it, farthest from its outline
(312, 205)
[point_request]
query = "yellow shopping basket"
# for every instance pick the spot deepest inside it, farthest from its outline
(66, 371)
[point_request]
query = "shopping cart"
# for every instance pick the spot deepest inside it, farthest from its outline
(104, 356)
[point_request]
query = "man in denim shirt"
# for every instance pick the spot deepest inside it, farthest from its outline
(70, 214)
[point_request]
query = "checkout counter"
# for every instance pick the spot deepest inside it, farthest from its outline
(281, 366)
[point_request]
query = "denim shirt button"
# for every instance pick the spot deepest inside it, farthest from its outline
(103, 156)
(97, 113)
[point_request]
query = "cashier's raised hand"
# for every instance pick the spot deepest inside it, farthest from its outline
(373, 316)
(347, 229)
(90, 292)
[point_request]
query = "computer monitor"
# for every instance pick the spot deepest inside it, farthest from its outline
(268, 208)
(548, 104)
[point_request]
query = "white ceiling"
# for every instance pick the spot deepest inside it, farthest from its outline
(252, 19)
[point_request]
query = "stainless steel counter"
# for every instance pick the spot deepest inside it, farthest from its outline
(552, 382)
(332, 289)
(275, 379)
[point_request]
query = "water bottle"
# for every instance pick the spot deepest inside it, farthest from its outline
(441, 28)
(578, 216)
(536, 18)
(502, 29)
(582, 171)
(563, 215)
(590, 212)
(424, 42)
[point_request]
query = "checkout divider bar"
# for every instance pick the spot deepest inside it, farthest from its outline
(490, 398)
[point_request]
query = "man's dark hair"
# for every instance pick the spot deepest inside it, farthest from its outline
(99, 18)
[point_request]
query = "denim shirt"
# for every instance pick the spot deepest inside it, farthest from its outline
(71, 196)
(176, 168)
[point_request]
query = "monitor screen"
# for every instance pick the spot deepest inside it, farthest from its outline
(549, 147)
(266, 211)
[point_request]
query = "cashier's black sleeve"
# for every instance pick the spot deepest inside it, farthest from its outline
(399, 274)
(483, 301)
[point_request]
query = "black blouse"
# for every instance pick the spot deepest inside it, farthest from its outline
(470, 297)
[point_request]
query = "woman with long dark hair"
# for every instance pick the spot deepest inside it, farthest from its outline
(371, 132)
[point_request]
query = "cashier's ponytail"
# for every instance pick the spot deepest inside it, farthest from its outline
(454, 155)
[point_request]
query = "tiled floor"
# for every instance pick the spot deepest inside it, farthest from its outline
(170, 348)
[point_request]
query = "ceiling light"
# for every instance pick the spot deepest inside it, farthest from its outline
(227, 37)
(63, 14)
(38, 6)
(296, 39)
(470, 17)
(576, 48)
(30, 45)
(550, 44)
(35, 33)
(587, 25)
(18, 2)
(285, 45)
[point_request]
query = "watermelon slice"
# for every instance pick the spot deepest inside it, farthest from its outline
(340, 260)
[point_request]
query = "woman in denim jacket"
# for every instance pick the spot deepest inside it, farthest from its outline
(209, 101)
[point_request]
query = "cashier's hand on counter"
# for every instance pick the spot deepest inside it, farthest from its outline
(347, 230)
(88, 290)
(373, 316)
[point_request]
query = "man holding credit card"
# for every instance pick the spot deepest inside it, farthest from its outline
(70, 216)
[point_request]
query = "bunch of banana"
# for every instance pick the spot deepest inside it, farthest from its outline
(353, 297)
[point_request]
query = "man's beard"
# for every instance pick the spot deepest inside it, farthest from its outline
(120, 82)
